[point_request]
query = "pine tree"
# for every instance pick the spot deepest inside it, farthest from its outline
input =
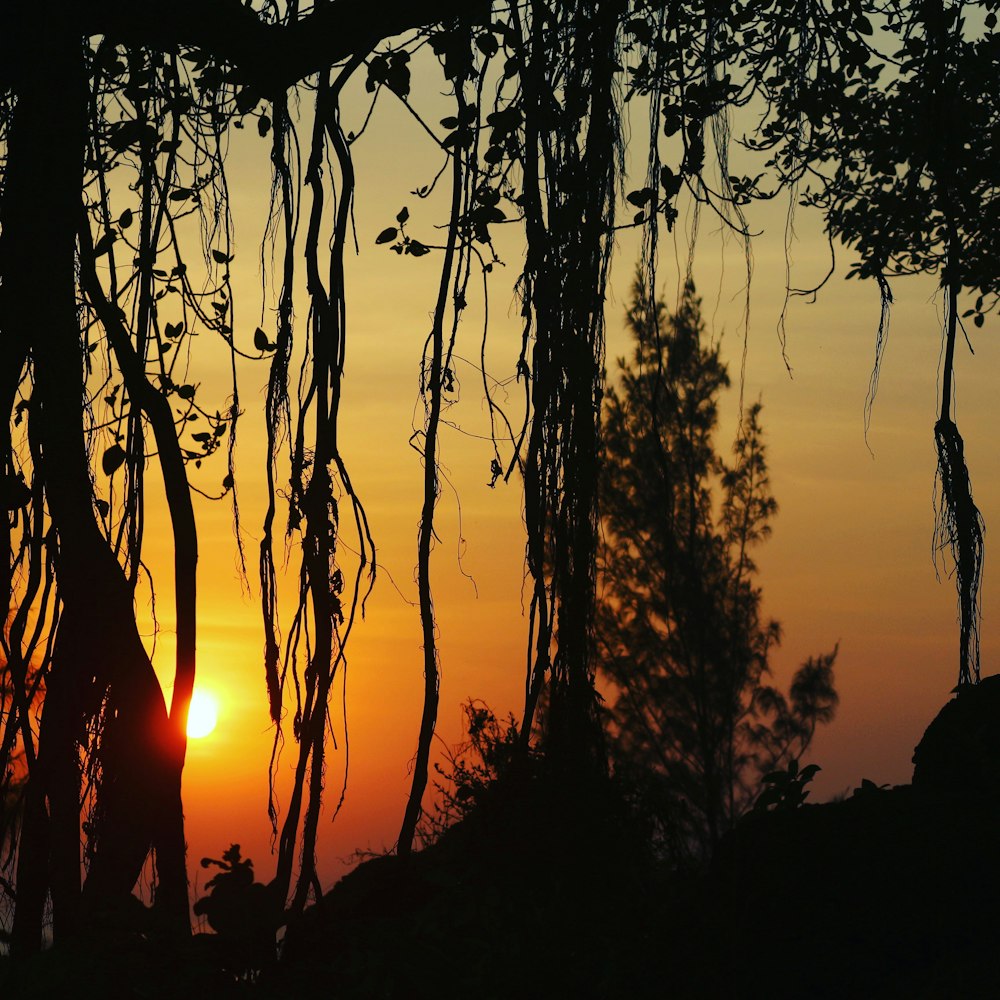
(694, 725)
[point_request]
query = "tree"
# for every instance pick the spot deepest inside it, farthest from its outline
(694, 723)
(86, 344)
(113, 125)
(13, 779)
(896, 144)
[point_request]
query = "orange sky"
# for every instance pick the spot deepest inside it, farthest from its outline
(849, 561)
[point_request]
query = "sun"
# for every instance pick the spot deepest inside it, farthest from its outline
(202, 715)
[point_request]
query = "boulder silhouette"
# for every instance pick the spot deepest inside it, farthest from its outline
(960, 750)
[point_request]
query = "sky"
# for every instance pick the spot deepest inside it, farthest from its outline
(850, 561)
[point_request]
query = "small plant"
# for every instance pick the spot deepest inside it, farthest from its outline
(244, 913)
(471, 767)
(786, 790)
(867, 788)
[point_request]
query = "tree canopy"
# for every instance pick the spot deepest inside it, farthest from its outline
(114, 120)
(696, 725)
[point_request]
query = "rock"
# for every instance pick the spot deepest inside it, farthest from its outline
(960, 751)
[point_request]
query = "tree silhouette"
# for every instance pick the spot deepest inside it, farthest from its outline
(896, 143)
(114, 120)
(695, 725)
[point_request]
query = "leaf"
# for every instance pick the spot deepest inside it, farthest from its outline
(263, 125)
(641, 28)
(125, 219)
(185, 391)
(670, 182)
(105, 243)
(112, 459)
(246, 100)
(978, 319)
(403, 216)
(220, 258)
(387, 235)
(639, 198)
(671, 122)
(261, 342)
(102, 507)
(397, 77)
(416, 248)
(378, 66)
(180, 194)
(16, 492)
(128, 133)
(227, 483)
(202, 436)
(487, 44)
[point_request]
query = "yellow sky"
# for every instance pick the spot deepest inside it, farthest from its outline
(849, 561)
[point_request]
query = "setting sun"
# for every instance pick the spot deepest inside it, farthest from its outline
(202, 715)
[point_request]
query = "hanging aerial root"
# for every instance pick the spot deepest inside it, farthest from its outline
(881, 339)
(959, 526)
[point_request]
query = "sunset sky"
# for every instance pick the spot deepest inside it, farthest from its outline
(850, 560)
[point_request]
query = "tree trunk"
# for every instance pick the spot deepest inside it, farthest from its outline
(99, 652)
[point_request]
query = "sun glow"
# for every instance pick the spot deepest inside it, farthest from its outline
(202, 715)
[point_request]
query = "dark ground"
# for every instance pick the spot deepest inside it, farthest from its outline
(545, 891)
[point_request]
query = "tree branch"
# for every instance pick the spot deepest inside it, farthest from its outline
(175, 484)
(270, 57)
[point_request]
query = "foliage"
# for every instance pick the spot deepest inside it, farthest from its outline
(784, 790)
(472, 767)
(684, 641)
(240, 911)
(116, 242)
(894, 138)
